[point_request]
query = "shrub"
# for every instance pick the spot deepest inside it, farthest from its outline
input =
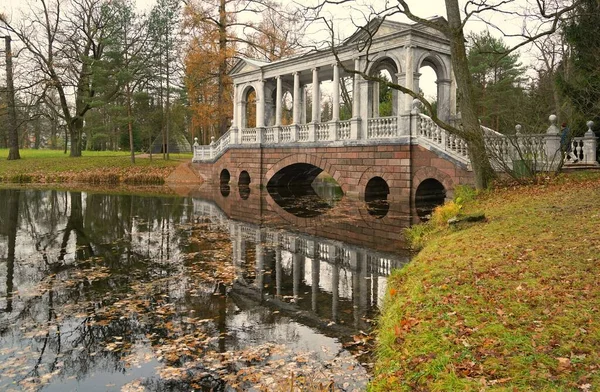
(22, 178)
(464, 194)
(441, 214)
(416, 235)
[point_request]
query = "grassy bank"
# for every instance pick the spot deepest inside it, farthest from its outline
(94, 167)
(509, 304)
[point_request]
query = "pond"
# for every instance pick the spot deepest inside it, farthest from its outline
(214, 291)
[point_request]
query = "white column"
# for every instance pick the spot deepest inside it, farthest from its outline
(336, 93)
(297, 99)
(453, 94)
(316, 101)
(409, 75)
(260, 104)
(444, 98)
(303, 106)
(234, 120)
(278, 103)
(356, 91)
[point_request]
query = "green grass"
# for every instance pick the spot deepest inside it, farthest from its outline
(52, 166)
(509, 304)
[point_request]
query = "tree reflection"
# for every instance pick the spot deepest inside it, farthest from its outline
(100, 284)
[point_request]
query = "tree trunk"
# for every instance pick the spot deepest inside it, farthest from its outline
(75, 129)
(12, 221)
(168, 105)
(13, 135)
(482, 169)
(130, 125)
(222, 120)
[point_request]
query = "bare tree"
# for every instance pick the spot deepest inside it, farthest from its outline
(63, 40)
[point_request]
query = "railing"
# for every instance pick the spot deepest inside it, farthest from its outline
(303, 133)
(249, 135)
(270, 134)
(544, 149)
(343, 130)
(536, 149)
(286, 133)
(382, 127)
(430, 132)
(322, 131)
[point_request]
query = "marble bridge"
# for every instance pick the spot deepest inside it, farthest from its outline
(281, 138)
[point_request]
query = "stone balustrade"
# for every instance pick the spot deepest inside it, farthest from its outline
(544, 149)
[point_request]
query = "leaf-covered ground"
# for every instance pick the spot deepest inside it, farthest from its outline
(510, 304)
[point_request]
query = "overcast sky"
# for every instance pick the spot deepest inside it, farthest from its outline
(345, 17)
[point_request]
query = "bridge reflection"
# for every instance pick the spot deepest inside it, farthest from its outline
(326, 282)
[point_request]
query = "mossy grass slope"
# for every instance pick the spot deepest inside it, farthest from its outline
(511, 304)
(94, 167)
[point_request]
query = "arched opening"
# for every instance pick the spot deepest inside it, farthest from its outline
(224, 178)
(304, 190)
(383, 99)
(326, 101)
(287, 108)
(376, 193)
(430, 194)
(249, 108)
(244, 184)
(435, 85)
(244, 179)
(428, 84)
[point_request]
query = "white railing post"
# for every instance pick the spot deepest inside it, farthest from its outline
(294, 133)
(355, 128)
(212, 147)
(312, 131)
(553, 152)
(276, 133)
(234, 135)
(590, 144)
(415, 119)
(259, 134)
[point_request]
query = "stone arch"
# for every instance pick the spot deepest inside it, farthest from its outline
(425, 173)
(382, 62)
(309, 159)
(244, 178)
(224, 177)
(381, 57)
(367, 175)
(246, 120)
(435, 61)
(443, 70)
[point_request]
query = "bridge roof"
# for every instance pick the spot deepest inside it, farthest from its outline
(380, 31)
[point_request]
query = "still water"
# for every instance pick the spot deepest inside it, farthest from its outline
(214, 291)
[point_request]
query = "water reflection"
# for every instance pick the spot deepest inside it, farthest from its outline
(103, 292)
(307, 201)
